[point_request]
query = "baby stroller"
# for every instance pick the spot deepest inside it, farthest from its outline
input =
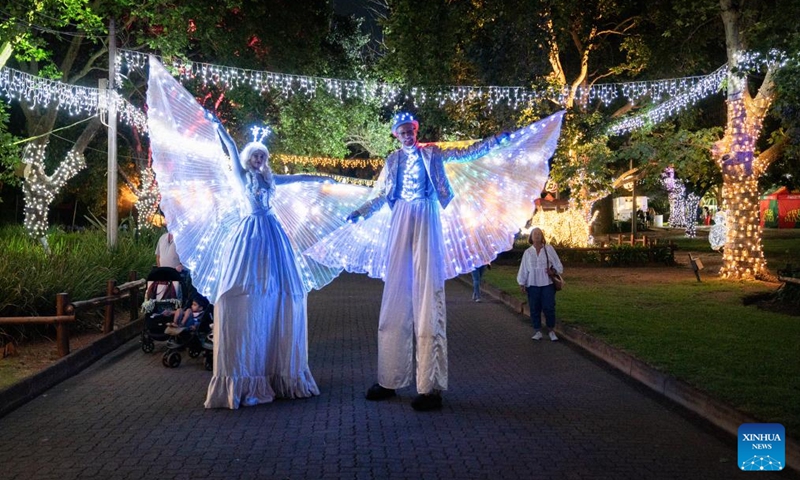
(193, 338)
(164, 295)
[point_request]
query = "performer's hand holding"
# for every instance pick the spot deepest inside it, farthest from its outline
(353, 217)
(503, 138)
(214, 119)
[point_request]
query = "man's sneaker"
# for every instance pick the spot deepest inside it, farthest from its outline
(376, 392)
(537, 336)
(424, 403)
(553, 337)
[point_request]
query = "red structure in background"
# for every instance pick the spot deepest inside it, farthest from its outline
(780, 209)
(550, 203)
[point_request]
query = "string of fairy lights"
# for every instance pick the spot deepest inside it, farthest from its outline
(73, 99)
(675, 95)
(78, 100)
(693, 88)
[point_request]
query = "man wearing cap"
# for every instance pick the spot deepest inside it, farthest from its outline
(413, 316)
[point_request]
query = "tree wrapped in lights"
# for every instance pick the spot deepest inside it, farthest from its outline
(566, 229)
(735, 153)
(40, 189)
(147, 197)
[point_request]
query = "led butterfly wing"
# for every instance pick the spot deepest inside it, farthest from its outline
(359, 247)
(309, 211)
(200, 199)
(494, 196)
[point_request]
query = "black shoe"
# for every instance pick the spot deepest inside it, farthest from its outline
(424, 403)
(376, 392)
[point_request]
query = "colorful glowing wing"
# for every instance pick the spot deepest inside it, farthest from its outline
(494, 196)
(309, 211)
(200, 198)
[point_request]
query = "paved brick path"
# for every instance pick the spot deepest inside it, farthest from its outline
(515, 409)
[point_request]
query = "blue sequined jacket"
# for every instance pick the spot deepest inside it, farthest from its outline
(434, 159)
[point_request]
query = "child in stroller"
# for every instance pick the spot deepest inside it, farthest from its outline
(164, 295)
(188, 330)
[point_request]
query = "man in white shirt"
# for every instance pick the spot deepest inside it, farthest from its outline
(166, 255)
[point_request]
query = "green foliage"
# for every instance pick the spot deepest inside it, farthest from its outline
(80, 264)
(324, 126)
(313, 126)
(687, 151)
(9, 153)
(24, 21)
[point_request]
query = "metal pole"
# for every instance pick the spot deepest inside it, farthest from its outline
(112, 221)
(634, 216)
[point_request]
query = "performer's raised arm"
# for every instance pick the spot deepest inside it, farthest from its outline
(474, 151)
(287, 179)
(230, 145)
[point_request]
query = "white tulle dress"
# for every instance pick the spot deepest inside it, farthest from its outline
(260, 340)
(241, 234)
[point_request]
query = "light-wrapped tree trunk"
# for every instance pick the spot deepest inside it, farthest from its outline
(743, 257)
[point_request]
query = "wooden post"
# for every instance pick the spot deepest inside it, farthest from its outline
(697, 265)
(108, 321)
(62, 328)
(134, 298)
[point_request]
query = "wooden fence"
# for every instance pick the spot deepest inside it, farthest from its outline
(66, 312)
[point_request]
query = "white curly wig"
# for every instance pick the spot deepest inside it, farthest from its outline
(249, 150)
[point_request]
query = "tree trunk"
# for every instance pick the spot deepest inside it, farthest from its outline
(743, 257)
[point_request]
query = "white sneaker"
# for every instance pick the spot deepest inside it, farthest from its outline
(553, 337)
(537, 336)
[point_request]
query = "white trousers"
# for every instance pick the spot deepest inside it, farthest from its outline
(413, 316)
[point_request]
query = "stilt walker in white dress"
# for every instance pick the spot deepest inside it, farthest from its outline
(243, 240)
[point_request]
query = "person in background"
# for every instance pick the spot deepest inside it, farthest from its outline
(166, 255)
(477, 277)
(539, 262)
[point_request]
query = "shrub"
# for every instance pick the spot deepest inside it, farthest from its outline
(79, 264)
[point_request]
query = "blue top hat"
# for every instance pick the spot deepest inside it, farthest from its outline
(401, 119)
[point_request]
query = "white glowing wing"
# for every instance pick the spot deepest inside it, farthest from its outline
(199, 197)
(308, 211)
(494, 196)
(357, 247)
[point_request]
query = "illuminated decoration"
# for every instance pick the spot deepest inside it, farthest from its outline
(584, 197)
(682, 204)
(73, 99)
(147, 198)
(743, 257)
(327, 162)
(40, 189)
(386, 94)
(704, 87)
(352, 180)
(565, 229)
(493, 198)
(719, 231)
(752, 61)
(260, 133)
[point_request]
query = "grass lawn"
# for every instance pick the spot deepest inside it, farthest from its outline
(701, 333)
